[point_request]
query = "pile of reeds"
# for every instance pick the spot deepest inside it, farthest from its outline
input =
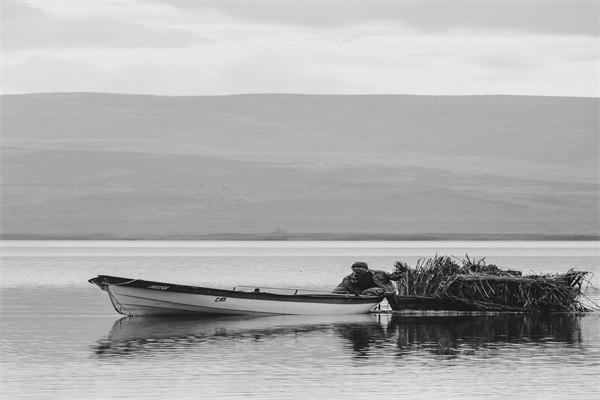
(488, 287)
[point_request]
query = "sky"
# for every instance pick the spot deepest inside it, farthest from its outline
(214, 47)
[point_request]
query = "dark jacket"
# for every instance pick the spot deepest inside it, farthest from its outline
(350, 283)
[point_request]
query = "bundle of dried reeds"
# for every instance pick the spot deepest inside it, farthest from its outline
(487, 287)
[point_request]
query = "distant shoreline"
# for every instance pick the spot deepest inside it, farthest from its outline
(319, 237)
(299, 168)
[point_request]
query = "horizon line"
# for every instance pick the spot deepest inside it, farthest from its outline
(292, 94)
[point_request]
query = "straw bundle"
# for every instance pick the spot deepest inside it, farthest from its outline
(488, 287)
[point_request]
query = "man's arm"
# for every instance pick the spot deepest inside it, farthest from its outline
(345, 286)
(385, 282)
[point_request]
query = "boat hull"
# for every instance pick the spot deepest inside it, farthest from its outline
(138, 297)
(422, 303)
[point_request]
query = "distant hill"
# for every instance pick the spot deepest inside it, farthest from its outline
(84, 165)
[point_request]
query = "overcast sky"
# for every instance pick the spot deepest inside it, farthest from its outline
(197, 47)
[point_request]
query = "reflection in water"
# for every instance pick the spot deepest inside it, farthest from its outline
(459, 334)
(146, 334)
(362, 336)
(454, 335)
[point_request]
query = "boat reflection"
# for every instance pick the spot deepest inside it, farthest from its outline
(466, 334)
(364, 339)
(361, 336)
(461, 334)
(145, 334)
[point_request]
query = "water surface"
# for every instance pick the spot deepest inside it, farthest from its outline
(60, 338)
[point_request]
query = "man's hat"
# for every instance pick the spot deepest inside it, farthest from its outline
(360, 264)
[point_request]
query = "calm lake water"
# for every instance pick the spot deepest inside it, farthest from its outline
(60, 337)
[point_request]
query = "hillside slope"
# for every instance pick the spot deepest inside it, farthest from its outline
(127, 166)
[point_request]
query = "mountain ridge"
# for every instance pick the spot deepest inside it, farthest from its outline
(189, 166)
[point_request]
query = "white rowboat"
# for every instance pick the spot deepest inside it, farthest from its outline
(140, 297)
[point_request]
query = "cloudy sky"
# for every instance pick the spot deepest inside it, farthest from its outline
(197, 47)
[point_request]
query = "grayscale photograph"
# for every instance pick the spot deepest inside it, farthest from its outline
(299, 199)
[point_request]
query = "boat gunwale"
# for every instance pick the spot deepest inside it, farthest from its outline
(102, 280)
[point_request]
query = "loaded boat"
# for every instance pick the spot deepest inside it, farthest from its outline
(140, 297)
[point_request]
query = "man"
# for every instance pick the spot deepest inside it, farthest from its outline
(363, 280)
